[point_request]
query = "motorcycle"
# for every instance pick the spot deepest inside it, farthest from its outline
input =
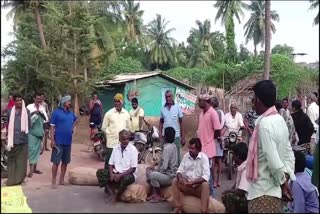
(228, 144)
(98, 141)
(144, 142)
(4, 157)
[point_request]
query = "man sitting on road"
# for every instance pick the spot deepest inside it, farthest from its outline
(136, 115)
(120, 172)
(167, 167)
(192, 177)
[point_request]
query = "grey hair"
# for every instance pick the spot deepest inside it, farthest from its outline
(124, 132)
(312, 96)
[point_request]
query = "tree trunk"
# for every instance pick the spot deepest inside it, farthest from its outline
(255, 50)
(36, 11)
(267, 54)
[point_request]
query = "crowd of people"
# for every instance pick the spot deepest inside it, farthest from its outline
(271, 176)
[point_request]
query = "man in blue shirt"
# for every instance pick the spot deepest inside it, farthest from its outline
(171, 116)
(62, 123)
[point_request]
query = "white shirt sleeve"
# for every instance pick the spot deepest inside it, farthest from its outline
(240, 118)
(181, 168)
(112, 158)
(134, 158)
(206, 168)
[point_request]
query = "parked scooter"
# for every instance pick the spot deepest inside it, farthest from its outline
(98, 141)
(4, 157)
(144, 142)
(229, 142)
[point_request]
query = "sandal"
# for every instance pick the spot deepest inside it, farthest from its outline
(37, 172)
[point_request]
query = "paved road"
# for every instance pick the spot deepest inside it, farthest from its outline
(88, 199)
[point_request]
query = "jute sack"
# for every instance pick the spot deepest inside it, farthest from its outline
(135, 193)
(191, 204)
(166, 192)
(83, 176)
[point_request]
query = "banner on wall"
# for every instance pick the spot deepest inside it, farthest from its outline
(186, 100)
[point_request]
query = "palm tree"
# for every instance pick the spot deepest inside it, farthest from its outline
(161, 44)
(254, 28)
(315, 5)
(133, 20)
(267, 54)
(18, 7)
(227, 10)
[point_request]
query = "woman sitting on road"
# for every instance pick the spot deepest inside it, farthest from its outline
(167, 169)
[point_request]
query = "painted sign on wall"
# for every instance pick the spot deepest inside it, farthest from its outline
(186, 100)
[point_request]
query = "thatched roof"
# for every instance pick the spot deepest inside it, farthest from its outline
(244, 87)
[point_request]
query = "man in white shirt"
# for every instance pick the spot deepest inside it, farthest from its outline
(313, 113)
(234, 120)
(285, 105)
(136, 115)
(120, 172)
(192, 178)
(270, 162)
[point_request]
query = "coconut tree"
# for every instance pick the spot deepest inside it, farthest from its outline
(227, 11)
(133, 20)
(315, 5)
(161, 44)
(255, 26)
(267, 54)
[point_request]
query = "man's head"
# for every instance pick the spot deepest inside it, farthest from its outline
(169, 97)
(296, 105)
(124, 137)
(169, 134)
(10, 97)
(278, 105)
(194, 147)
(240, 153)
(42, 97)
(65, 102)
(300, 162)
(204, 101)
(311, 98)
(265, 94)
(17, 100)
(134, 103)
(285, 103)
(118, 101)
(215, 102)
(233, 108)
(37, 98)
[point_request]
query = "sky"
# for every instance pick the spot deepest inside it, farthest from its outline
(295, 27)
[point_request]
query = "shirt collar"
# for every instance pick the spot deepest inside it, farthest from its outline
(165, 105)
(115, 110)
(198, 157)
(119, 147)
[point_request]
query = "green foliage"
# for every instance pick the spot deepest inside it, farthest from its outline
(231, 53)
(122, 65)
(192, 76)
(283, 50)
(244, 53)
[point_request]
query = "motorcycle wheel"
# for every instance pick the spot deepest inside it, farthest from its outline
(148, 160)
(230, 166)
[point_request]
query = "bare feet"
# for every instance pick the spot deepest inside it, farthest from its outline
(157, 199)
(178, 210)
(30, 174)
(54, 186)
(47, 149)
(62, 183)
(150, 197)
(37, 171)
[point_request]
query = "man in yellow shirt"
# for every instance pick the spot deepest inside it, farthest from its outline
(115, 120)
(136, 115)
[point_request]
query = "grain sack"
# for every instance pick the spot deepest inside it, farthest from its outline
(135, 193)
(166, 192)
(83, 176)
(191, 204)
(141, 174)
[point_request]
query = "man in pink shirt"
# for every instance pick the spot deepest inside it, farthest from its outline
(209, 127)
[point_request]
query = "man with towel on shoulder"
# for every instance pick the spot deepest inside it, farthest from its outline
(62, 122)
(115, 120)
(38, 118)
(18, 118)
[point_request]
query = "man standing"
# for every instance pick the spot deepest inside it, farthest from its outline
(192, 177)
(62, 124)
(217, 158)
(115, 120)
(120, 172)
(313, 113)
(285, 104)
(270, 162)
(46, 125)
(36, 133)
(249, 120)
(171, 116)
(302, 123)
(234, 120)
(136, 115)
(18, 118)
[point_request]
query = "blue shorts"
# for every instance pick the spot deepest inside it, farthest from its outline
(61, 153)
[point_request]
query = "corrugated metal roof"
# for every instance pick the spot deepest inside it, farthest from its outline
(123, 78)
